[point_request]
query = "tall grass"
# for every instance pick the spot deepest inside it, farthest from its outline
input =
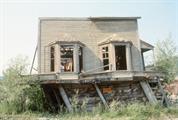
(117, 111)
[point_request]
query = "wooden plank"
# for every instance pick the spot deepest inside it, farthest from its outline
(148, 92)
(65, 98)
(101, 95)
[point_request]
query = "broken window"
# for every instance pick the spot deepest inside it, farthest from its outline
(52, 58)
(67, 62)
(120, 56)
(105, 56)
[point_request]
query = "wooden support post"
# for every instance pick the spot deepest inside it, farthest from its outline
(57, 58)
(128, 57)
(148, 92)
(112, 58)
(65, 98)
(57, 98)
(76, 58)
(101, 96)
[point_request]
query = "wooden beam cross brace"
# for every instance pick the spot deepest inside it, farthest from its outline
(65, 98)
(101, 95)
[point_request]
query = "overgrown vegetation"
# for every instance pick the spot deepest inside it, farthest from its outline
(117, 111)
(18, 93)
(167, 59)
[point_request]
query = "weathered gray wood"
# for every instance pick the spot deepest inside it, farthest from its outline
(164, 98)
(65, 98)
(101, 95)
(148, 92)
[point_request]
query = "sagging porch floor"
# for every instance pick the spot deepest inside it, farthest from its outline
(124, 86)
(97, 77)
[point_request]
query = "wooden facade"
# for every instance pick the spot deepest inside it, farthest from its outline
(99, 58)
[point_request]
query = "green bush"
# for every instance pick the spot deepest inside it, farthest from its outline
(18, 93)
(167, 59)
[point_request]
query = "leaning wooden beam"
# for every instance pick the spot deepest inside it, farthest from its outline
(101, 96)
(33, 59)
(148, 92)
(57, 97)
(65, 98)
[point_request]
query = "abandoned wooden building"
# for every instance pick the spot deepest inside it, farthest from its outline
(99, 58)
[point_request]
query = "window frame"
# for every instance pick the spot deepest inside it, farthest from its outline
(52, 59)
(105, 56)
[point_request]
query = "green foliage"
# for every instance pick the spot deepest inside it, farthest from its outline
(167, 59)
(34, 96)
(19, 93)
(117, 111)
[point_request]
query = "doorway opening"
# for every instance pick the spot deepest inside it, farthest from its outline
(120, 55)
(67, 63)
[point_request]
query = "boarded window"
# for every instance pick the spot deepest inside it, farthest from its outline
(52, 58)
(67, 62)
(105, 55)
(120, 55)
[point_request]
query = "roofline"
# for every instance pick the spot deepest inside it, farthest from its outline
(147, 43)
(87, 18)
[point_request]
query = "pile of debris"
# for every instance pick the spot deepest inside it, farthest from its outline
(172, 89)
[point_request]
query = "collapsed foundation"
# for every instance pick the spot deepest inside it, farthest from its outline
(101, 91)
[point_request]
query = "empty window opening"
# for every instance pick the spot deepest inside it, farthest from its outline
(52, 58)
(80, 59)
(120, 55)
(105, 56)
(67, 62)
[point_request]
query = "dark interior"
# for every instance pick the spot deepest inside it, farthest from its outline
(120, 54)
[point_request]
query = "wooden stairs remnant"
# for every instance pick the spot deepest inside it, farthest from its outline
(148, 92)
(159, 92)
(155, 92)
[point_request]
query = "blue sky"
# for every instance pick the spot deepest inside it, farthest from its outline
(19, 20)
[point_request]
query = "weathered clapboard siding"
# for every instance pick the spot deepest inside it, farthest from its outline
(90, 33)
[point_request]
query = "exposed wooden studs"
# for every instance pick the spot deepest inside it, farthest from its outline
(101, 95)
(65, 98)
(148, 92)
